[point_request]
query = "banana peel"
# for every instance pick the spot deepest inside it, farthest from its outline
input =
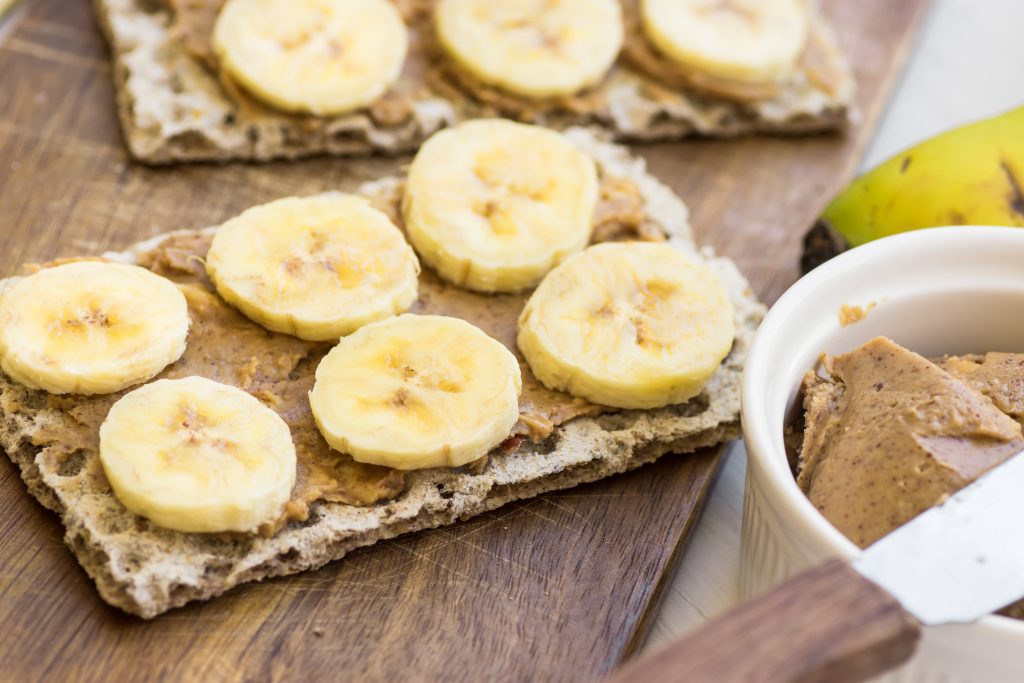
(973, 175)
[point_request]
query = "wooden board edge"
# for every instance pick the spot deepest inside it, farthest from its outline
(873, 115)
(642, 626)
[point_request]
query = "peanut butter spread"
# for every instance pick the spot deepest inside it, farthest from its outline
(889, 434)
(1000, 376)
(848, 315)
(227, 347)
(193, 20)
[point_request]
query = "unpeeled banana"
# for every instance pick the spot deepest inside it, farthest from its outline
(629, 325)
(972, 175)
(315, 267)
(417, 391)
(90, 327)
(195, 455)
(493, 205)
(317, 56)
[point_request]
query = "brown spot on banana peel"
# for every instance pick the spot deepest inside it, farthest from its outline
(1016, 198)
(821, 243)
(906, 163)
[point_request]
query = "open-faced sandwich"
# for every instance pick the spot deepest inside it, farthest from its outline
(522, 311)
(260, 79)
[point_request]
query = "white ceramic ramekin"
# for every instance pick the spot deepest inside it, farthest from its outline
(943, 290)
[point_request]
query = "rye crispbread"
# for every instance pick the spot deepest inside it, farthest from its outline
(173, 108)
(146, 570)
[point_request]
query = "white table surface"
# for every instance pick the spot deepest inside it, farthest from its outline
(968, 64)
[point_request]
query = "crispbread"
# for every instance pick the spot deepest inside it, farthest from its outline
(146, 570)
(173, 109)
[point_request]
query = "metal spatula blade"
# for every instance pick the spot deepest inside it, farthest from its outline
(961, 560)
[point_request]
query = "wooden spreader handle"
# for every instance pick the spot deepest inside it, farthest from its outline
(826, 625)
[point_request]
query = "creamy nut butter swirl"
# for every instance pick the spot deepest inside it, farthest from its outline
(888, 433)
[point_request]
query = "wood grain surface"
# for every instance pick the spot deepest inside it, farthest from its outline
(558, 588)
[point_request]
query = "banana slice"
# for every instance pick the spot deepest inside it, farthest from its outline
(417, 391)
(753, 41)
(90, 327)
(627, 324)
(314, 267)
(494, 205)
(319, 56)
(195, 455)
(533, 48)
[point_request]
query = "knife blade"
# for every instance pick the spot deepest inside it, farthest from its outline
(840, 622)
(960, 560)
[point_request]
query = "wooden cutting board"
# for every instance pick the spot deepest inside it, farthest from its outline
(561, 587)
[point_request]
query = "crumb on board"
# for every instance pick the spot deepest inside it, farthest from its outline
(849, 315)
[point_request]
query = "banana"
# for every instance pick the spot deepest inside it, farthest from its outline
(746, 41)
(195, 455)
(318, 56)
(973, 175)
(417, 391)
(532, 48)
(493, 205)
(627, 324)
(314, 267)
(90, 327)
